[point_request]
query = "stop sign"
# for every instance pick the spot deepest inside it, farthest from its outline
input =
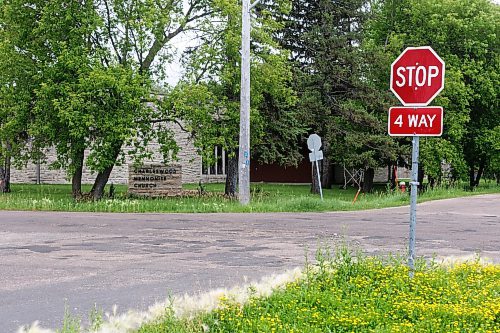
(417, 76)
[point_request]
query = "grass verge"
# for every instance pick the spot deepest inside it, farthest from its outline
(265, 198)
(361, 295)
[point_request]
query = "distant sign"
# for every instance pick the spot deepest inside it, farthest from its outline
(407, 121)
(314, 145)
(316, 156)
(155, 179)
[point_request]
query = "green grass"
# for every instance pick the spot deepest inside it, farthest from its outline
(265, 198)
(361, 295)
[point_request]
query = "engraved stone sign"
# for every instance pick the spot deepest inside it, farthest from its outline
(155, 179)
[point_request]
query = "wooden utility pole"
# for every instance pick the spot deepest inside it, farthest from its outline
(244, 146)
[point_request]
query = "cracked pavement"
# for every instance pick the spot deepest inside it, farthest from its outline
(50, 260)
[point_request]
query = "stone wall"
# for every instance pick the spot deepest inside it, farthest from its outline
(187, 157)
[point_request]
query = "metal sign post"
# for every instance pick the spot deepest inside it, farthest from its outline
(413, 202)
(317, 173)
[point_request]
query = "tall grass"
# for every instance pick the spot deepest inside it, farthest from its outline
(265, 198)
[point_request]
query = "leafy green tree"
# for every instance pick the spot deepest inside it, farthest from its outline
(18, 80)
(208, 100)
(135, 37)
(465, 35)
(94, 62)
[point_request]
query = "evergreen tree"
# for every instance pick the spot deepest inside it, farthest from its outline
(338, 94)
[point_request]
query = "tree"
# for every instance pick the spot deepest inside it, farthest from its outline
(95, 61)
(207, 101)
(18, 80)
(464, 34)
(338, 95)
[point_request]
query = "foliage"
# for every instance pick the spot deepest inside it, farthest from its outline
(18, 79)
(207, 100)
(465, 35)
(92, 63)
(359, 294)
(338, 96)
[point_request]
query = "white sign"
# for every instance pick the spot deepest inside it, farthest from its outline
(314, 144)
(316, 156)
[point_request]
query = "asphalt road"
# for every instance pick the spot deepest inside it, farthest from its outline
(52, 260)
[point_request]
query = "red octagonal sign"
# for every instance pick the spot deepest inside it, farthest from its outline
(417, 76)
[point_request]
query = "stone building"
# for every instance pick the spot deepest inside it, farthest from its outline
(192, 166)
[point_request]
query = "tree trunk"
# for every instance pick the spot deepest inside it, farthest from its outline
(421, 174)
(101, 180)
(327, 174)
(479, 173)
(393, 176)
(369, 174)
(5, 172)
(314, 180)
(76, 180)
(7, 175)
(232, 175)
(326, 167)
(472, 178)
(432, 182)
(3, 188)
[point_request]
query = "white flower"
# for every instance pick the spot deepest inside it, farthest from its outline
(33, 328)
(186, 306)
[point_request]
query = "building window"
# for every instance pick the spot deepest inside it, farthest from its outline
(219, 165)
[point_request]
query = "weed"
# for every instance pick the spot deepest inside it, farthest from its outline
(265, 198)
(96, 319)
(347, 292)
(71, 324)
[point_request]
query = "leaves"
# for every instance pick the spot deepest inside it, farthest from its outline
(464, 34)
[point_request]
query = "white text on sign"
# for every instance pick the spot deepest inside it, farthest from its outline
(424, 121)
(416, 75)
(416, 120)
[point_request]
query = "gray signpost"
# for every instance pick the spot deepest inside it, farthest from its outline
(413, 202)
(314, 145)
(417, 77)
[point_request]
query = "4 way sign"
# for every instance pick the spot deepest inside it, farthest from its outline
(427, 121)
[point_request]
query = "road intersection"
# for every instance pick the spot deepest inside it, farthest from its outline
(51, 260)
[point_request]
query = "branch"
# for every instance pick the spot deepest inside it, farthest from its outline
(136, 49)
(176, 121)
(158, 44)
(110, 34)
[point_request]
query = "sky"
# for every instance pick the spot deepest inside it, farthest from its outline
(175, 70)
